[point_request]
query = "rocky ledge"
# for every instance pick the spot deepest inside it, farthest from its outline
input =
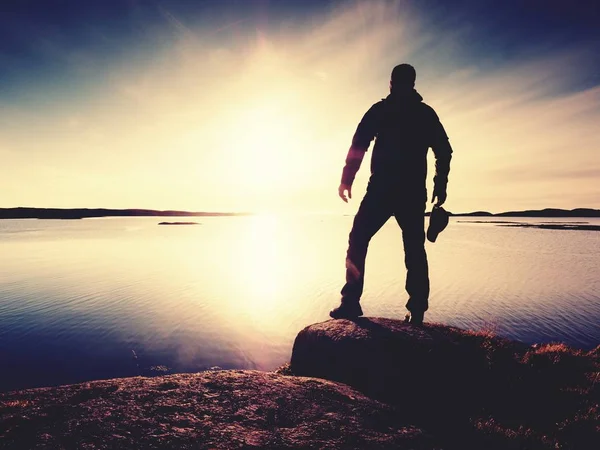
(216, 409)
(369, 383)
(467, 389)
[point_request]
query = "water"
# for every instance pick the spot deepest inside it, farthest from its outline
(112, 297)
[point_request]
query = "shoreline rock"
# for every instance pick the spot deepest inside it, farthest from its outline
(368, 383)
(207, 410)
(471, 390)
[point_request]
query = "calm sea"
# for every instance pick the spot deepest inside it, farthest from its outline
(113, 297)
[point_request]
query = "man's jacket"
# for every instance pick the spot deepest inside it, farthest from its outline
(404, 128)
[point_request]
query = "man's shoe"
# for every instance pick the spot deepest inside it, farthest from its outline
(438, 220)
(416, 318)
(346, 310)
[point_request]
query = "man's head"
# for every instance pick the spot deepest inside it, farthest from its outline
(403, 78)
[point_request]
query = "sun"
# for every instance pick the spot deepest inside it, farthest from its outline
(263, 139)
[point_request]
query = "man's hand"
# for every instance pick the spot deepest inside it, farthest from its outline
(441, 196)
(342, 192)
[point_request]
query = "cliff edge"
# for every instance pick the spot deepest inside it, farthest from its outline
(368, 383)
(208, 410)
(469, 390)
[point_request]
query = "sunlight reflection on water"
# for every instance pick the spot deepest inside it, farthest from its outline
(79, 298)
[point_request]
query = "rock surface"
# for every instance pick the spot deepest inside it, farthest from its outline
(469, 390)
(217, 409)
(386, 358)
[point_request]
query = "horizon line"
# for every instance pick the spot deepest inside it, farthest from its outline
(174, 212)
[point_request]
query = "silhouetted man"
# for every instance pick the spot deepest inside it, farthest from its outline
(403, 128)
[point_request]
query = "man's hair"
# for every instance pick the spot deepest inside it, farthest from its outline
(403, 75)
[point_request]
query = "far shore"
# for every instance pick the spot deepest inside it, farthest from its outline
(82, 213)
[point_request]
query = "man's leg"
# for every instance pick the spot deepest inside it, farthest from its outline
(372, 214)
(412, 222)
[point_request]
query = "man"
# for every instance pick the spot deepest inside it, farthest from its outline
(404, 128)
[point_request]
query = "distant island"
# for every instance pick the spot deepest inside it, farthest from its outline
(82, 213)
(542, 213)
(547, 212)
(179, 223)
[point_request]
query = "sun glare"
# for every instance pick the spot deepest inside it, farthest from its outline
(262, 141)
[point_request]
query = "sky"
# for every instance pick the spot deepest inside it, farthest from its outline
(250, 105)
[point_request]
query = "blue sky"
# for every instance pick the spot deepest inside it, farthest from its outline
(33, 33)
(84, 63)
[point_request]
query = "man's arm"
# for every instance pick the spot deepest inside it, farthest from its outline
(443, 154)
(365, 133)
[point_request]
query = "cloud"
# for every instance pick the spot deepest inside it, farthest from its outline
(275, 108)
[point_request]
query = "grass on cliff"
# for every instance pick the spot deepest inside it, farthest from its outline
(539, 397)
